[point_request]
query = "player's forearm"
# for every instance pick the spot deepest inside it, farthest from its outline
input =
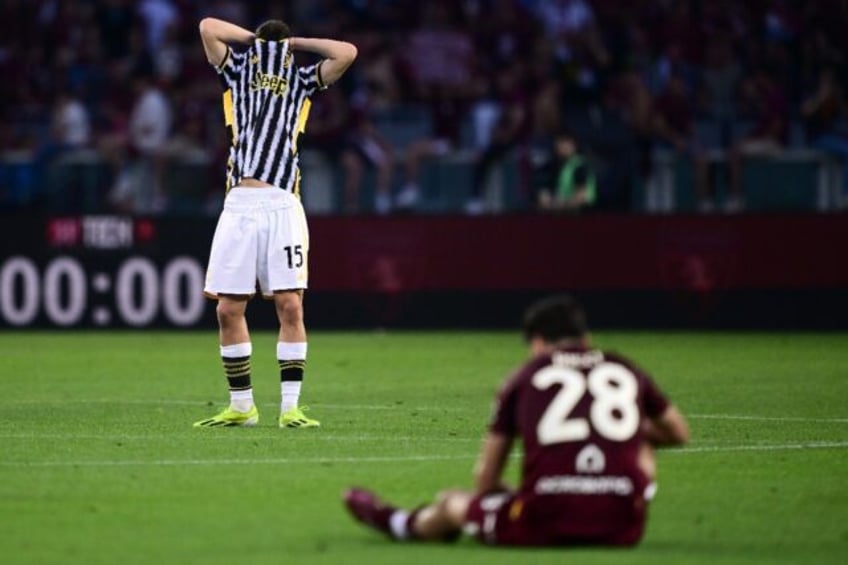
(488, 482)
(669, 429)
(224, 31)
(338, 55)
(488, 473)
(217, 35)
(327, 48)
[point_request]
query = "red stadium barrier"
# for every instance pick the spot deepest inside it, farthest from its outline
(579, 253)
(637, 271)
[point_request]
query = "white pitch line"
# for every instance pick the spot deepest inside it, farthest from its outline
(411, 408)
(761, 447)
(766, 418)
(279, 461)
(383, 459)
(168, 402)
(273, 435)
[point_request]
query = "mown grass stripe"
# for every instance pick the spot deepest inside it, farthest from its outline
(385, 459)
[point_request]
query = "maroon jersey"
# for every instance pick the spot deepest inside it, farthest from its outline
(578, 414)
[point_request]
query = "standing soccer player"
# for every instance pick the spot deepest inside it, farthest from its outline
(262, 233)
(588, 421)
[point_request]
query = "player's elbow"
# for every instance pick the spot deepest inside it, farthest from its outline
(482, 483)
(679, 432)
(485, 480)
(681, 435)
(672, 428)
(479, 475)
(207, 27)
(348, 52)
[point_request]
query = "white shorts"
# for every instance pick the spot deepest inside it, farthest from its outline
(261, 236)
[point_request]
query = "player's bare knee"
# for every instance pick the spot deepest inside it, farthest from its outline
(229, 313)
(442, 497)
(452, 505)
(289, 309)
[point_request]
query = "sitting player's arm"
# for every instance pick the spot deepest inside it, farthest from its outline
(217, 35)
(338, 56)
(488, 472)
(669, 428)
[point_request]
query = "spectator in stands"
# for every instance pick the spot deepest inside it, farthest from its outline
(566, 22)
(821, 112)
(767, 102)
(440, 58)
(114, 20)
(506, 31)
(327, 134)
(440, 53)
(189, 141)
(578, 42)
(509, 131)
(607, 128)
(138, 187)
(540, 153)
(70, 127)
(432, 56)
(234, 11)
(636, 107)
(367, 146)
(159, 17)
(674, 128)
(447, 111)
(719, 84)
(567, 182)
(168, 58)
(348, 137)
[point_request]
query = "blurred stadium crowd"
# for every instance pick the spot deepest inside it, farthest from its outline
(468, 105)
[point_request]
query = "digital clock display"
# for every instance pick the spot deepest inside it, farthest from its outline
(104, 271)
(68, 292)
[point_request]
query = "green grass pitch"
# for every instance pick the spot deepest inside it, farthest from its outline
(100, 463)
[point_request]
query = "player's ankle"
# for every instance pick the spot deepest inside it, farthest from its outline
(243, 406)
(399, 524)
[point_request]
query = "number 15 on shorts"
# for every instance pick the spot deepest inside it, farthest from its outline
(294, 254)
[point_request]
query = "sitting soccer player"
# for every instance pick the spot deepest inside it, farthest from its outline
(588, 421)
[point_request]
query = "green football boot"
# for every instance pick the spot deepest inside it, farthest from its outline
(295, 418)
(229, 418)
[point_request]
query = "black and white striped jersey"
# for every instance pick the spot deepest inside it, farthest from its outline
(266, 105)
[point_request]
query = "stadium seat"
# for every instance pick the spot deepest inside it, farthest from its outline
(77, 182)
(186, 184)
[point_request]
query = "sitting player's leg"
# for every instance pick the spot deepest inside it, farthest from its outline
(440, 521)
(235, 356)
(291, 356)
(444, 519)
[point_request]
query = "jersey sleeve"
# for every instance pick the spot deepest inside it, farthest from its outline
(654, 402)
(232, 66)
(310, 78)
(504, 419)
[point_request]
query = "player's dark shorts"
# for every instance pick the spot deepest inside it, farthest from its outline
(500, 519)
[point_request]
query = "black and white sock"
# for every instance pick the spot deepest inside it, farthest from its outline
(236, 360)
(292, 360)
